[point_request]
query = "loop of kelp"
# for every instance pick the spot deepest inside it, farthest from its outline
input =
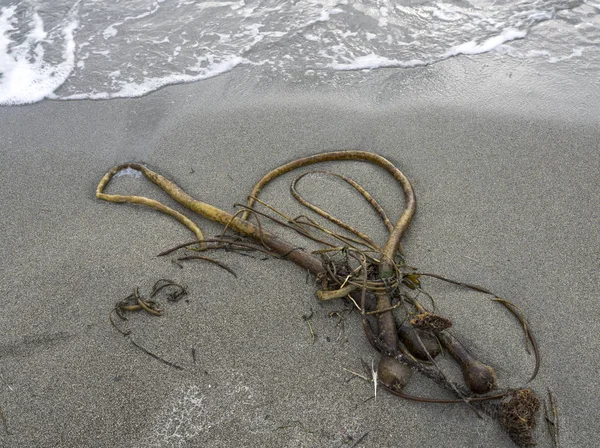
(368, 274)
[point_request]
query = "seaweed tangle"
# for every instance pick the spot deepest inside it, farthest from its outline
(374, 278)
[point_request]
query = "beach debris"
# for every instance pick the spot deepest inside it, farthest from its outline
(212, 260)
(135, 302)
(357, 375)
(551, 417)
(374, 374)
(479, 377)
(155, 356)
(430, 322)
(175, 292)
(516, 413)
(360, 440)
(306, 318)
(349, 265)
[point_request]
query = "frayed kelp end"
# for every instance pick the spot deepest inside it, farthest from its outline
(430, 322)
(517, 414)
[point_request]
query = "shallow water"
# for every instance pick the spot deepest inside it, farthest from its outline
(66, 49)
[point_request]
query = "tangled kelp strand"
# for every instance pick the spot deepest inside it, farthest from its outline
(517, 413)
(371, 276)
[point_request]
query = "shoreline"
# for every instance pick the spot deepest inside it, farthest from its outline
(506, 184)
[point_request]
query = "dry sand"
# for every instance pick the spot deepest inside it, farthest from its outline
(504, 160)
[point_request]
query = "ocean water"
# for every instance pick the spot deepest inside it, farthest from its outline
(97, 49)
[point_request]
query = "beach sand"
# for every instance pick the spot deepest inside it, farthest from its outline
(504, 160)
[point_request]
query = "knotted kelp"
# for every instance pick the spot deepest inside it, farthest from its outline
(352, 266)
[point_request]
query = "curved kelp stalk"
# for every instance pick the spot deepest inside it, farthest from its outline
(374, 278)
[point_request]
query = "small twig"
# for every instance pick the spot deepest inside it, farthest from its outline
(360, 440)
(354, 302)
(552, 422)
(306, 318)
(194, 355)
(148, 352)
(362, 377)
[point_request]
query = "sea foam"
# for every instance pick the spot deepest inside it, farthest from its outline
(104, 50)
(26, 76)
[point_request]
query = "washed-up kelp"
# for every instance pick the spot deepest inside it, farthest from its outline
(352, 266)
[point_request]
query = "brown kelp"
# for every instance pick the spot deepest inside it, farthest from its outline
(350, 265)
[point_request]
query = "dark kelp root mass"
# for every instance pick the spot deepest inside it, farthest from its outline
(374, 278)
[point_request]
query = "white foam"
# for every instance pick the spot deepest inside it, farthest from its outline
(446, 13)
(593, 5)
(373, 61)
(26, 77)
(156, 43)
(110, 31)
(576, 53)
(134, 89)
(472, 47)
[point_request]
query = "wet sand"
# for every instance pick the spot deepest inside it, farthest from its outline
(504, 161)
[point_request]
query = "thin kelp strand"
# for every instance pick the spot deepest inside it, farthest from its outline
(212, 260)
(441, 400)
(155, 356)
(326, 215)
(288, 219)
(261, 233)
(226, 227)
(221, 244)
(410, 200)
(456, 282)
(552, 419)
(289, 222)
(349, 241)
(370, 199)
(301, 231)
(516, 311)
